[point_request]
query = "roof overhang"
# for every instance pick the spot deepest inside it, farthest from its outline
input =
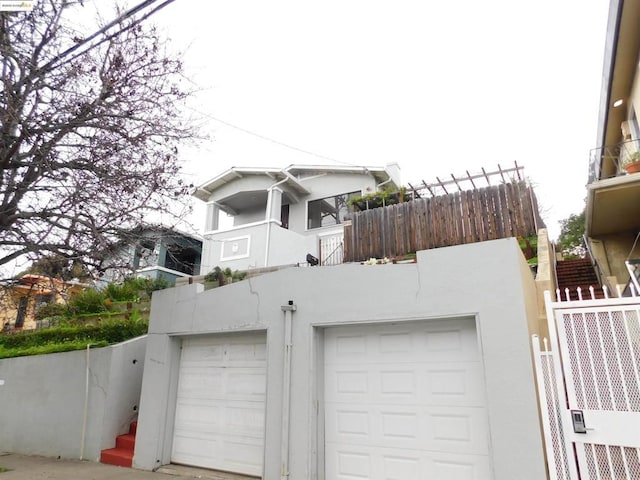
(280, 177)
(613, 206)
(379, 173)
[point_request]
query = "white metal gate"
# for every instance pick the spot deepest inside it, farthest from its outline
(592, 372)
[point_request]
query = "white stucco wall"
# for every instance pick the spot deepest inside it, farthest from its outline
(43, 399)
(488, 281)
(323, 186)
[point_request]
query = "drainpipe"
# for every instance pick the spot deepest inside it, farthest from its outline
(269, 212)
(383, 183)
(286, 388)
(86, 405)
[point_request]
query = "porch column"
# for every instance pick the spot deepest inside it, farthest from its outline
(213, 217)
(274, 204)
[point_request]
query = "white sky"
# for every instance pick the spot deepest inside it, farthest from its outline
(440, 87)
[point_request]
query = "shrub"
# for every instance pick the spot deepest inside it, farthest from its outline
(105, 333)
(51, 309)
(224, 277)
(122, 292)
(87, 301)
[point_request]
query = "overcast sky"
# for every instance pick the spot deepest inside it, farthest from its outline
(440, 87)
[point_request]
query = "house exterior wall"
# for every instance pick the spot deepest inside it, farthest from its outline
(488, 282)
(53, 289)
(246, 183)
(286, 246)
(323, 186)
(257, 214)
(43, 399)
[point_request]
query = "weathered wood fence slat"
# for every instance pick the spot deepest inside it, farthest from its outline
(500, 211)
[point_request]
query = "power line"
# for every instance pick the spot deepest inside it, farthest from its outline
(277, 142)
(61, 59)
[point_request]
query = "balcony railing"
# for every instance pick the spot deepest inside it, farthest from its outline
(609, 161)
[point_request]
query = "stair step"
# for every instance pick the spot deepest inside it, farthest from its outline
(126, 442)
(572, 274)
(122, 454)
(117, 456)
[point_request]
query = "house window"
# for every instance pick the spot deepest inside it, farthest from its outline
(329, 211)
(145, 254)
(633, 121)
(22, 312)
(284, 216)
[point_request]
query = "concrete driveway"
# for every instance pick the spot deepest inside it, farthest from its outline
(41, 468)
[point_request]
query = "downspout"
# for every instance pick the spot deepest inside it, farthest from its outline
(269, 212)
(86, 404)
(286, 389)
(383, 183)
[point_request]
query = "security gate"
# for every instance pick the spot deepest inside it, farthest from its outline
(589, 385)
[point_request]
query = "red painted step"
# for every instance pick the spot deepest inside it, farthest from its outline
(122, 454)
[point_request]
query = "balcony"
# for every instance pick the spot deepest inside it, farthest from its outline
(613, 194)
(610, 161)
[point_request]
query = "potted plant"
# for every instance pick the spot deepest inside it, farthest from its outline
(632, 163)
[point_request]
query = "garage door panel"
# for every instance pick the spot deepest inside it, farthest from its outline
(426, 341)
(418, 383)
(405, 401)
(358, 463)
(223, 382)
(442, 429)
(219, 420)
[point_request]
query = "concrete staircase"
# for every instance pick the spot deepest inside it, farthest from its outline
(122, 455)
(577, 273)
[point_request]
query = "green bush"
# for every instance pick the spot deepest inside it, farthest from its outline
(87, 301)
(127, 291)
(67, 338)
(51, 309)
(224, 277)
(151, 286)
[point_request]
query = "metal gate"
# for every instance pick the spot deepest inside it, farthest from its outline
(589, 387)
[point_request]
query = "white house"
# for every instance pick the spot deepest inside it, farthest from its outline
(377, 372)
(279, 216)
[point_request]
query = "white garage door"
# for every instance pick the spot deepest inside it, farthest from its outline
(220, 405)
(405, 402)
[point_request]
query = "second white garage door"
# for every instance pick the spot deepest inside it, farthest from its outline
(220, 405)
(405, 402)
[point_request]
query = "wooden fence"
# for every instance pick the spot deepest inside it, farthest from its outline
(501, 211)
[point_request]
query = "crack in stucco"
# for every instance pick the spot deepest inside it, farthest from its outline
(254, 292)
(97, 383)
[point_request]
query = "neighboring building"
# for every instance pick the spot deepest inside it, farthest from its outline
(282, 215)
(156, 252)
(404, 371)
(613, 198)
(20, 299)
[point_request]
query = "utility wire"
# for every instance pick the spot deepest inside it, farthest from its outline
(61, 59)
(115, 34)
(268, 139)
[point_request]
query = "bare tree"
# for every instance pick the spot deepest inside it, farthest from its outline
(88, 142)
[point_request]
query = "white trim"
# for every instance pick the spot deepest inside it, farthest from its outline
(162, 269)
(238, 227)
(236, 257)
(330, 233)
